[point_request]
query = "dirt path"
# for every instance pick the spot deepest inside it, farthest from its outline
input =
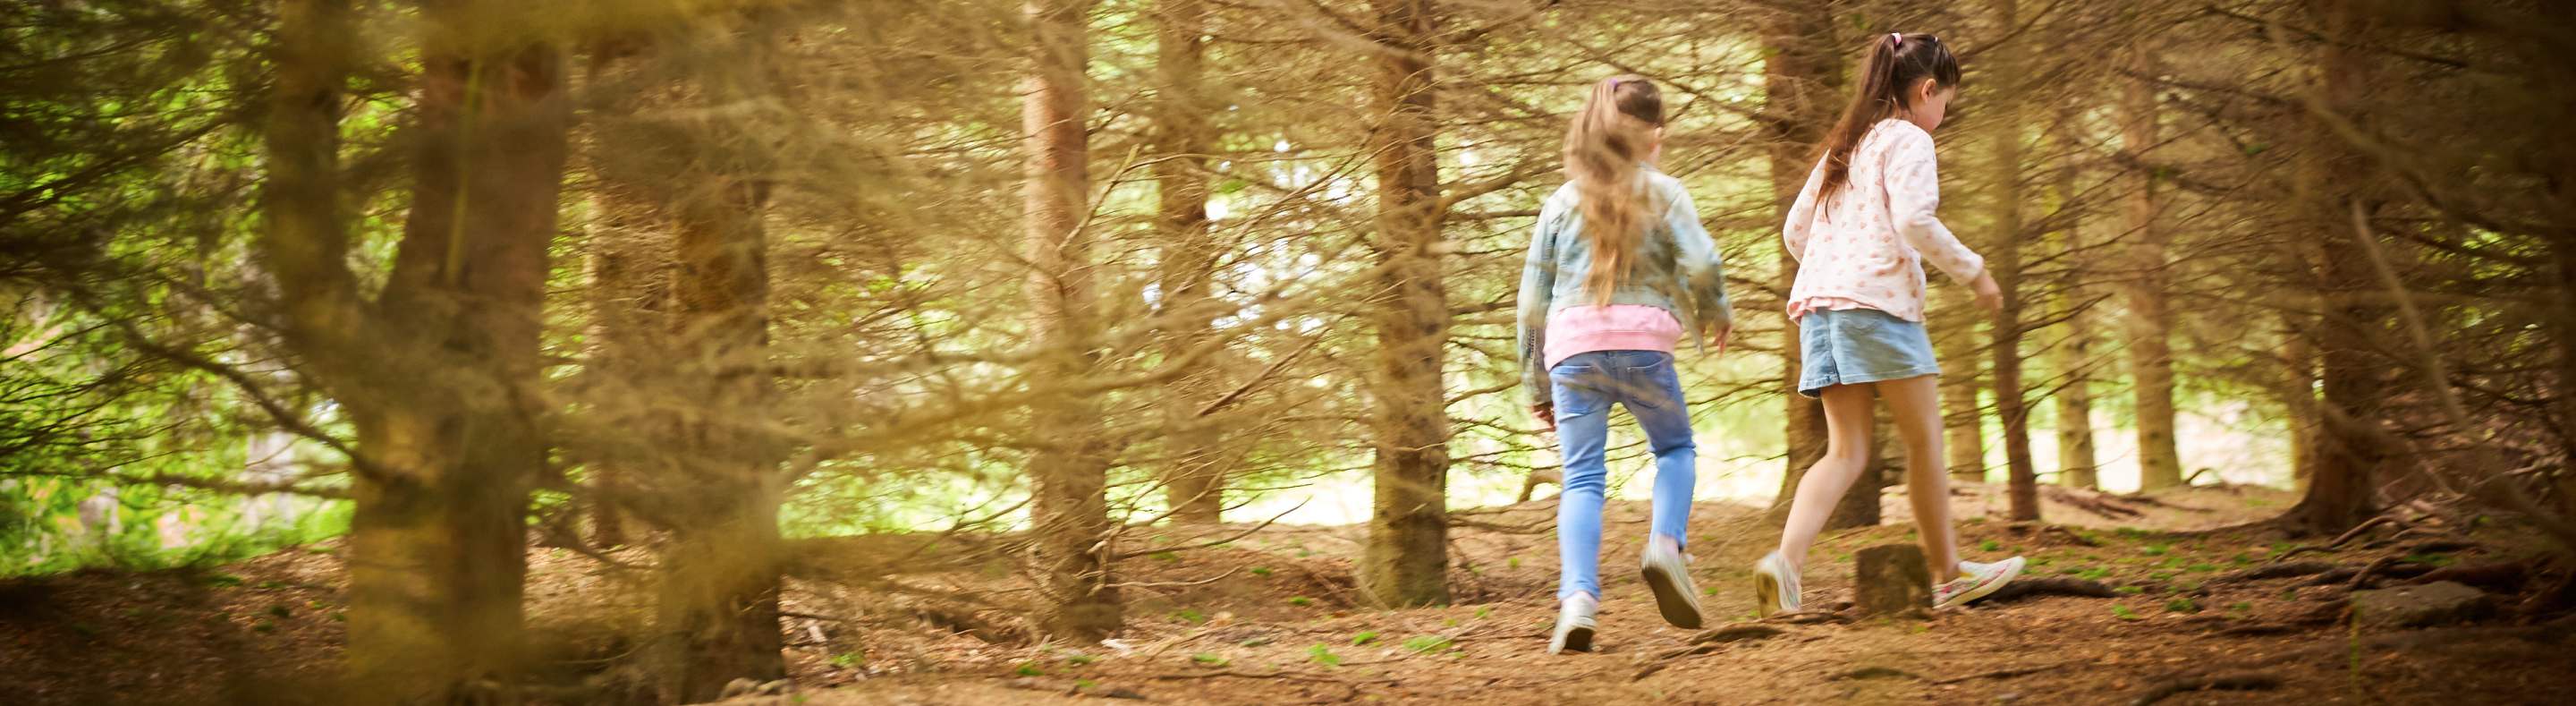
(1271, 619)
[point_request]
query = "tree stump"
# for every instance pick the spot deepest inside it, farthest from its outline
(1891, 578)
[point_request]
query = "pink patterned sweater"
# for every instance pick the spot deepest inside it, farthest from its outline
(1865, 247)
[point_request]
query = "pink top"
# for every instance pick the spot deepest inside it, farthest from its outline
(1865, 248)
(1615, 327)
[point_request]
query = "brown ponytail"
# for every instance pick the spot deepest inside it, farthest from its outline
(1889, 70)
(1609, 140)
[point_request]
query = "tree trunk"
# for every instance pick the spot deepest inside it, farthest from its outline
(1069, 473)
(2021, 474)
(720, 567)
(629, 281)
(2078, 465)
(2565, 251)
(2354, 377)
(1801, 76)
(1963, 416)
(2299, 397)
(2150, 325)
(438, 376)
(1194, 486)
(1407, 558)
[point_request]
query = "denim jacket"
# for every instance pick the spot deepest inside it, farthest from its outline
(1677, 271)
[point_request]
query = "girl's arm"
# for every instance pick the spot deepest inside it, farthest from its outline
(1703, 271)
(1538, 281)
(1913, 183)
(1803, 214)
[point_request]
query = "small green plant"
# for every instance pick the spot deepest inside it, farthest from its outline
(2095, 574)
(1990, 546)
(1301, 601)
(264, 625)
(846, 660)
(2122, 612)
(1190, 615)
(1513, 562)
(1323, 655)
(280, 610)
(1078, 659)
(1483, 612)
(1166, 556)
(1030, 669)
(1426, 644)
(1260, 571)
(2182, 604)
(2156, 549)
(2129, 590)
(2201, 567)
(1212, 660)
(2240, 607)
(1364, 637)
(1256, 641)
(1085, 685)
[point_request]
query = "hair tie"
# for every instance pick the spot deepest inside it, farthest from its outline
(1895, 40)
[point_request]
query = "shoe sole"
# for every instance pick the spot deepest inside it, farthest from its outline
(1671, 598)
(1766, 594)
(1577, 640)
(1985, 590)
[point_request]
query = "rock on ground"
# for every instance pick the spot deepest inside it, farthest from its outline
(2437, 603)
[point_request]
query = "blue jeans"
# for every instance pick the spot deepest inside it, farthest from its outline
(1584, 386)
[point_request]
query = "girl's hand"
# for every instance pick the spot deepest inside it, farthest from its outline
(1989, 296)
(1546, 412)
(1718, 338)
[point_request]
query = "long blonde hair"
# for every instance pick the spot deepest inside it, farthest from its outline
(1609, 140)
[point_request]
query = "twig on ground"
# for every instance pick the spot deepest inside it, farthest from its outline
(2241, 681)
(1293, 676)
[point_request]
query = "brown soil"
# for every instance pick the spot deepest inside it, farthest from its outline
(1272, 619)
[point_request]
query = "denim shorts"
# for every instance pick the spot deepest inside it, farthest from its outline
(1851, 346)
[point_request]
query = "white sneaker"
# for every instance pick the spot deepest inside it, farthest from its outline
(1981, 579)
(1775, 585)
(1667, 573)
(1573, 624)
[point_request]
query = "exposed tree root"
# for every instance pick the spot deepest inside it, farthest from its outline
(2000, 673)
(2506, 577)
(2241, 681)
(2091, 502)
(2276, 571)
(1707, 642)
(2050, 586)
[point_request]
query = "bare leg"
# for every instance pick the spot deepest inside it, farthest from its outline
(1916, 404)
(1847, 421)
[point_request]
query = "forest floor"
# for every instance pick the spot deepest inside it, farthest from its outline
(1271, 617)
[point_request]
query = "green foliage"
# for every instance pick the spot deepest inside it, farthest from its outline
(2182, 604)
(1209, 659)
(2124, 613)
(1300, 601)
(1364, 637)
(1322, 655)
(1426, 644)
